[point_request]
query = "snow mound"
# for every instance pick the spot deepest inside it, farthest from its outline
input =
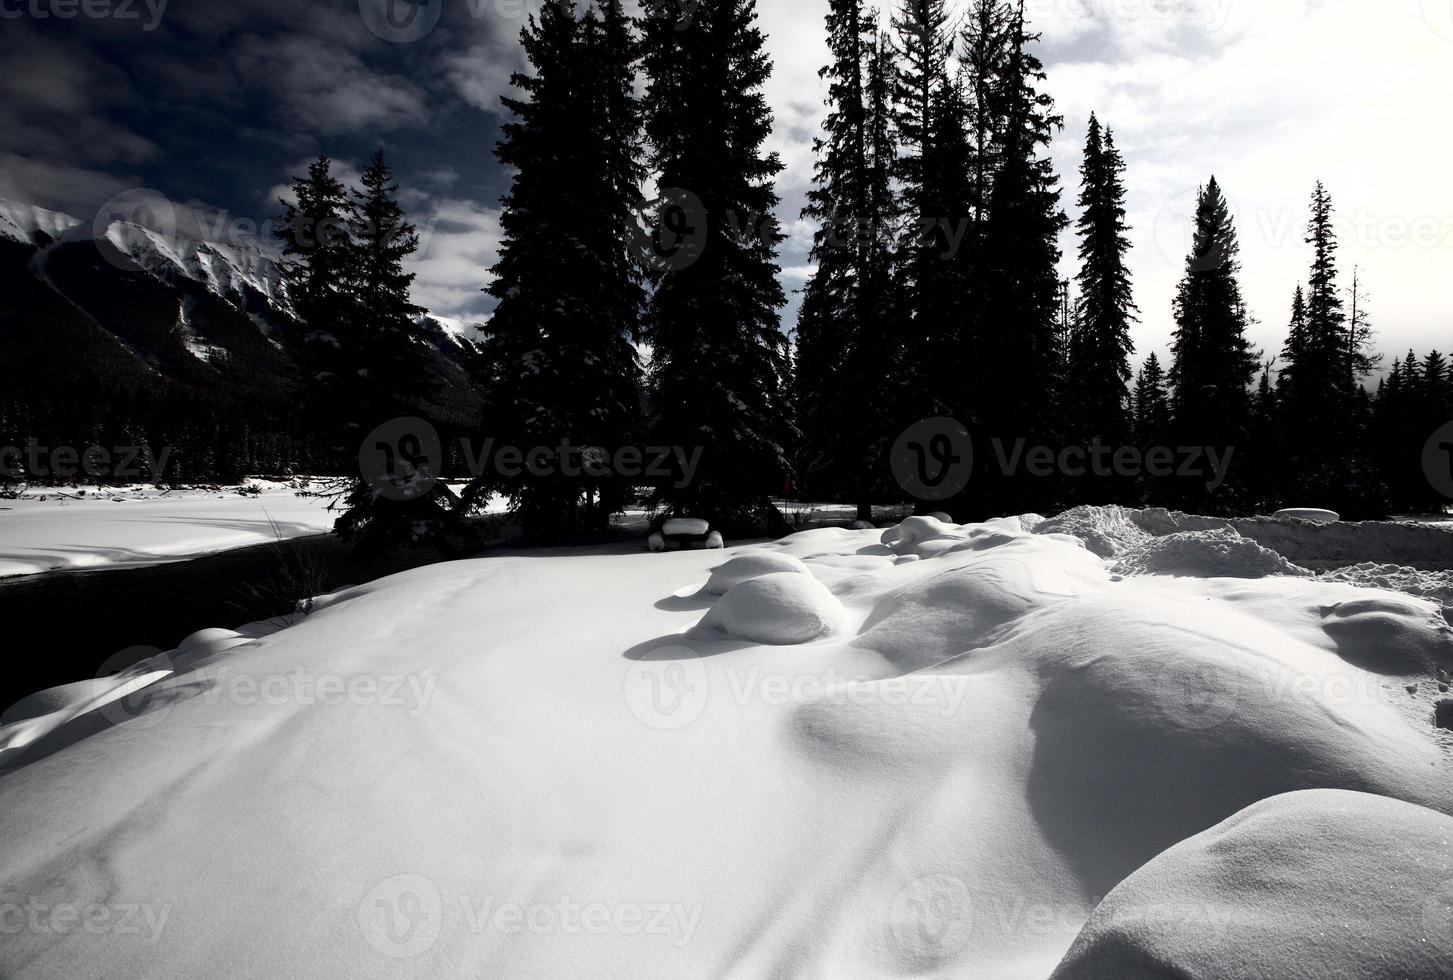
(1204, 554)
(1107, 531)
(1437, 586)
(781, 609)
(752, 565)
(685, 525)
(1324, 883)
(1312, 515)
(914, 531)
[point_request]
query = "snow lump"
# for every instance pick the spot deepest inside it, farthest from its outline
(781, 609)
(1322, 883)
(753, 564)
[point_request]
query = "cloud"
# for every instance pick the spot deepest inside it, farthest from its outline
(328, 89)
(459, 242)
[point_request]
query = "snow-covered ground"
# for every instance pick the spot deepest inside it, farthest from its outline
(46, 529)
(932, 751)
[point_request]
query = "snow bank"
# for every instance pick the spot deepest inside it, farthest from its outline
(1315, 515)
(1106, 531)
(978, 732)
(1207, 554)
(1315, 884)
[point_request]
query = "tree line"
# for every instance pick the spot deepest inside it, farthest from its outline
(637, 292)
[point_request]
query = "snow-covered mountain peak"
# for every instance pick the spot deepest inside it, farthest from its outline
(233, 271)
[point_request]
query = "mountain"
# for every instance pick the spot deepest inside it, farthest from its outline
(117, 327)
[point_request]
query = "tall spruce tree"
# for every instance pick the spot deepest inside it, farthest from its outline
(315, 236)
(929, 120)
(719, 368)
(1018, 378)
(1324, 410)
(1213, 363)
(846, 343)
(394, 378)
(559, 367)
(1099, 372)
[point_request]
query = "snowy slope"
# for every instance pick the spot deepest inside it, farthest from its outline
(949, 746)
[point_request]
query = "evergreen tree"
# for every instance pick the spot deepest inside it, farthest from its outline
(719, 371)
(929, 123)
(986, 49)
(846, 342)
(1018, 380)
(1213, 363)
(1100, 352)
(315, 236)
(393, 378)
(559, 369)
(1152, 405)
(1325, 419)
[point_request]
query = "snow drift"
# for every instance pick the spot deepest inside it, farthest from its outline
(577, 764)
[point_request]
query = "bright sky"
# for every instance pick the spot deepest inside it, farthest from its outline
(1269, 96)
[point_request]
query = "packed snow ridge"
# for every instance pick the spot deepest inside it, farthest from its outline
(1108, 744)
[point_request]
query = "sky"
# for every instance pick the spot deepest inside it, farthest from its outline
(216, 106)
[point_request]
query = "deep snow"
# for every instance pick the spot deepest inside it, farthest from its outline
(578, 765)
(46, 529)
